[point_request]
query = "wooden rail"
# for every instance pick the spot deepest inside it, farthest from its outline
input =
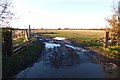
(22, 47)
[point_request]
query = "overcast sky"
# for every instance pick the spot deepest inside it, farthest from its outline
(61, 13)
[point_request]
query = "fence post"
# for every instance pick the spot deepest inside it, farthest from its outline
(105, 44)
(7, 43)
(29, 31)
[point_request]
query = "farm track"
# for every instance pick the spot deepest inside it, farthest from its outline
(63, 57)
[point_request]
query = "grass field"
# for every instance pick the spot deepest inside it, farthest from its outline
(76, 34)
(83, 37)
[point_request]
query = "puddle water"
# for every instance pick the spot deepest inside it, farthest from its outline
(51, 45)
(59, 38)
(76, 48)
(87, 68)
(70, 46)
(84, 70)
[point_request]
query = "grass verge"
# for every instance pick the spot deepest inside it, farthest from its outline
(24, 59)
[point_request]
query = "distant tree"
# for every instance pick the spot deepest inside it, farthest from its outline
(114, 22)
(42, 28)
(59, 28)
(5, 13)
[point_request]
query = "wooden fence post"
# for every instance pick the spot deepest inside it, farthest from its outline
(29, 31)
(7, 43)
(27, 34)
(106, 39)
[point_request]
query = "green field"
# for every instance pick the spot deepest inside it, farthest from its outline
(88, 38)
(81, 36)
(76, 34)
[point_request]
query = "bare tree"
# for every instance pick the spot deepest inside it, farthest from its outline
(5, 13)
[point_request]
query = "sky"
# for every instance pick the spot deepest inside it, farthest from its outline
(61, 13)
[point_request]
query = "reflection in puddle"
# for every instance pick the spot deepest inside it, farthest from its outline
(51, 45)
(61, 56)
(76, 48)
(70, 46)
(59, 38)
(84, 70)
